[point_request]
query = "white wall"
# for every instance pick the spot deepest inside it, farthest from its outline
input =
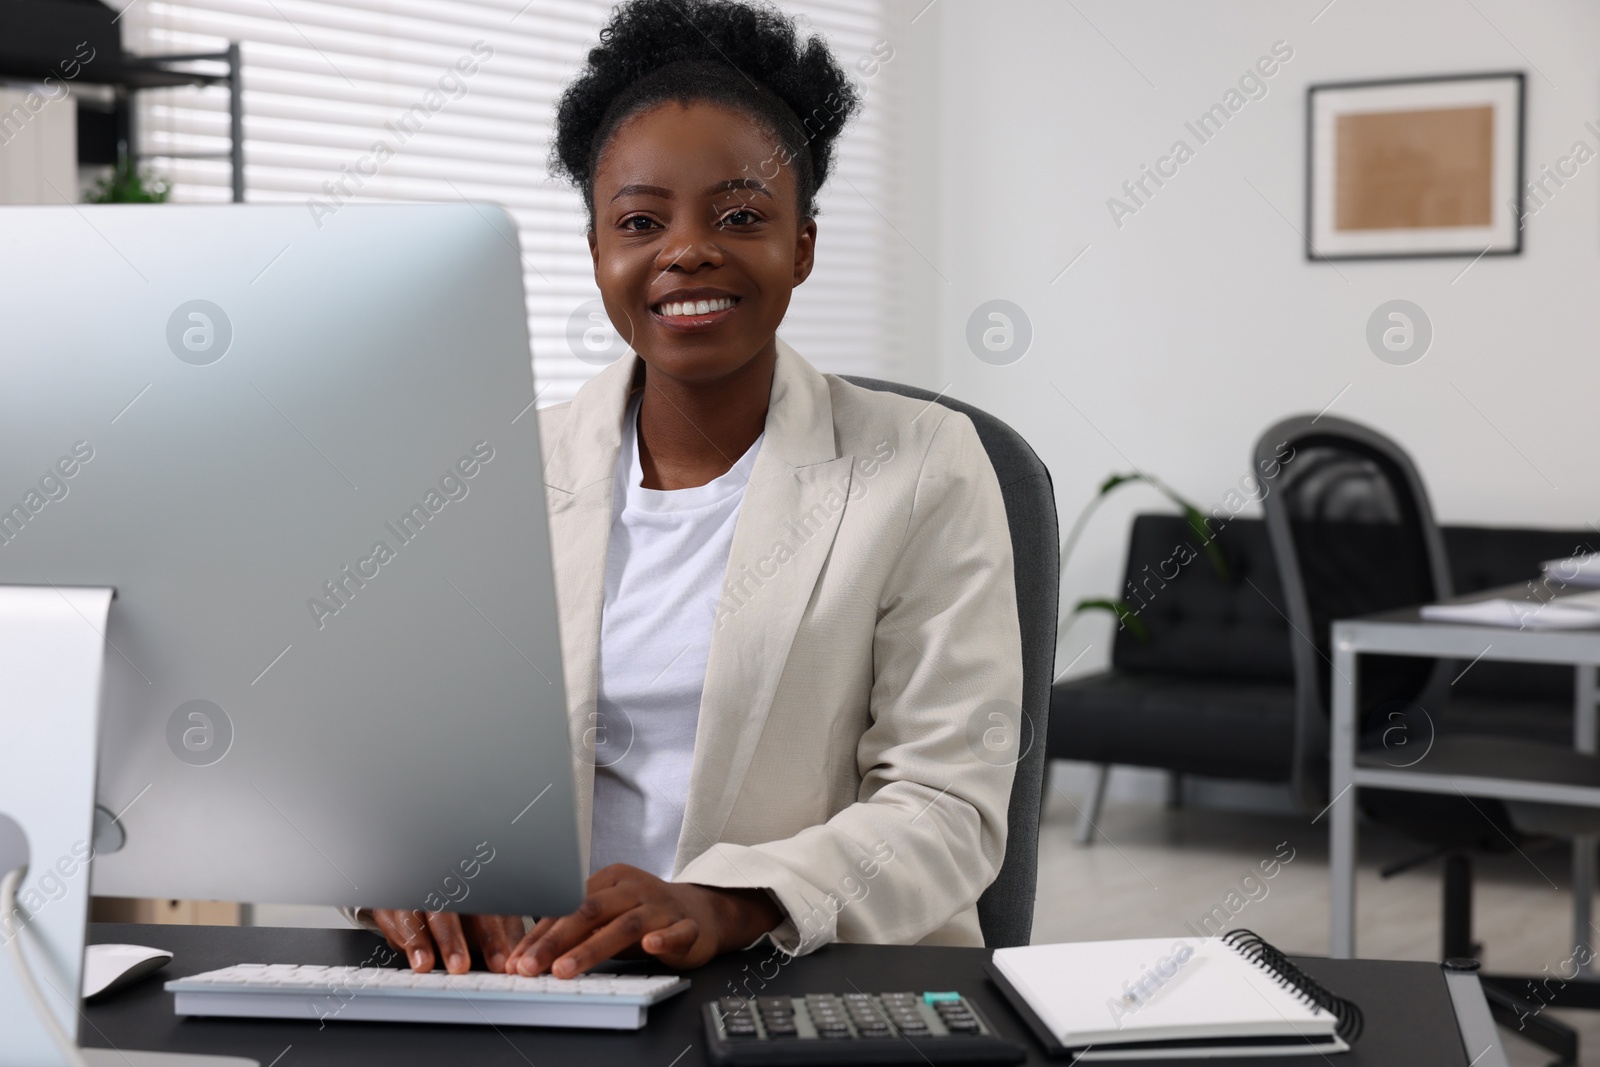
(1182, 334)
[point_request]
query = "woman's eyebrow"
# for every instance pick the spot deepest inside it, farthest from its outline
(750, 184)
(732, 184)
(642, 190)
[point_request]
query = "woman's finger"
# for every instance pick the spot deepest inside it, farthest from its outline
(494, 937)
(529, 939)
(673, 943)
(620, 933)
(451, 939)
(407, 932)
(596, 911)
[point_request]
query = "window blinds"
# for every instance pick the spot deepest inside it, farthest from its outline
(351, 100)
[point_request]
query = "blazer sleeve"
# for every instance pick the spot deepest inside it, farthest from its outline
(928, 831)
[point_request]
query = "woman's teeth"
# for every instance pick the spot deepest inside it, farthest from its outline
(696, 307)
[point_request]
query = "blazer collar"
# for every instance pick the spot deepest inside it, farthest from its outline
(799, 427)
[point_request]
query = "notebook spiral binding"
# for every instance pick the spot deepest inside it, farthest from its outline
(1256, 949)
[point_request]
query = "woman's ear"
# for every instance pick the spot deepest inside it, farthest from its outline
(805, 249)
(594, 250)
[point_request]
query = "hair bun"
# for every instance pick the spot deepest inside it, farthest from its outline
(743, 54)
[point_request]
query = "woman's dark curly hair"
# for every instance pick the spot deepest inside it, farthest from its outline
(743, 55)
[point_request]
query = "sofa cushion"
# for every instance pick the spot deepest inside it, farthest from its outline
(1222, 727)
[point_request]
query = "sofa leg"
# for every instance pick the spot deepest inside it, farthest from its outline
(1089, 814)
(1174, 790)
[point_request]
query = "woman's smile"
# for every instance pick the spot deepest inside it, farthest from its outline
(695, 309)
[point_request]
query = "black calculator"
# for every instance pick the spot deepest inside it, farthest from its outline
(833, 1028)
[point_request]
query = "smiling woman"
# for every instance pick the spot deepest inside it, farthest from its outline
(820, 735)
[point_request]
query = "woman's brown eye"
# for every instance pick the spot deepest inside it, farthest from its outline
(638, 222)
(740, 217)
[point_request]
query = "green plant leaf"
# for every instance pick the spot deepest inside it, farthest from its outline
(1126, 616)
(1197, 523)
(127, 184)
(1118, 479)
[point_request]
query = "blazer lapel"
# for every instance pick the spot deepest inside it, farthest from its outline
(792, 508)
(579, 477)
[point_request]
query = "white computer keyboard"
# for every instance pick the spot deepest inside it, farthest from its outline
(383, 994)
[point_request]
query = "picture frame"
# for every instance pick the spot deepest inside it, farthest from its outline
(1423, 167)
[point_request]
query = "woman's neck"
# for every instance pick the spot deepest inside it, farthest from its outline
(691, 432)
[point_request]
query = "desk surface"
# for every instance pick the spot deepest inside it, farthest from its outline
(1409, 1017)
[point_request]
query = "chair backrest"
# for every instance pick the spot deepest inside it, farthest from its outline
(1005, 910)
(1353, 533)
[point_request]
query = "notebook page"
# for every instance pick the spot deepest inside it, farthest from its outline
(1150, 989)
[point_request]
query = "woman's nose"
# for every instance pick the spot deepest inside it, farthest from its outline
(693, 246)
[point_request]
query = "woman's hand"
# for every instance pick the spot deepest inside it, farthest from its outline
(423, 935)
(680, 924)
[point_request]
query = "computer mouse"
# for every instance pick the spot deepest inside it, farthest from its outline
(109, 967)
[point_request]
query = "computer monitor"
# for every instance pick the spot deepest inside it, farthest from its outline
(303, 452)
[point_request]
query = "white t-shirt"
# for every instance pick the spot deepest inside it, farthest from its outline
(664, 572)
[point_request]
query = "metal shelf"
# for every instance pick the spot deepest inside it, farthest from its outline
(128, 74)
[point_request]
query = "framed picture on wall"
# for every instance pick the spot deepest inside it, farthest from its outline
(1411, 167)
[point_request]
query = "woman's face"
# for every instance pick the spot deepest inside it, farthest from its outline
(698, 240)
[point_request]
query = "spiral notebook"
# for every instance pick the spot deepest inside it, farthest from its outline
(1172, 998)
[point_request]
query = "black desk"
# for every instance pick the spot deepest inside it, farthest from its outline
(1410, 1020)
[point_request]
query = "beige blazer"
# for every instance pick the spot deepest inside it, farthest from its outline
(865, 668)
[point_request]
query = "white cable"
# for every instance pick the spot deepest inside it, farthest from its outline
(8, 906)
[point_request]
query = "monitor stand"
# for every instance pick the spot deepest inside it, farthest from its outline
(52, 653)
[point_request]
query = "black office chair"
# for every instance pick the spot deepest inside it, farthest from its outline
(1353, 534)
(1005, 910)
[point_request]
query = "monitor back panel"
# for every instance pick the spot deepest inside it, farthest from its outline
(305, 457)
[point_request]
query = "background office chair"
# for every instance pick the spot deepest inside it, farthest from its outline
(1210, 691)
(1005, 911)
(1354, 534)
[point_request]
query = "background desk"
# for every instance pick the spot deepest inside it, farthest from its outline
(1466, 772)
(1409, 1016)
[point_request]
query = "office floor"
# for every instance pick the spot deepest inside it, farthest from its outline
(1152, 870)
